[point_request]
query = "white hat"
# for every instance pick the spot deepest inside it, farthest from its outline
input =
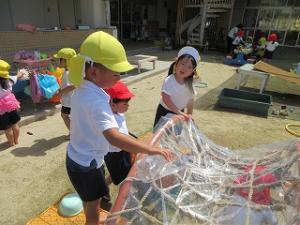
(189, 51)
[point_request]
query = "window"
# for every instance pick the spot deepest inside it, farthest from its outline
(281, 19)
(273, 2)
(267, 2)
(295, 21)
(293, 3)
(253, 2)
(250, 17)
(265, 18)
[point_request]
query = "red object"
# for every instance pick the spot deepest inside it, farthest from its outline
(119, 91)
(240, 33)
(26, 27)
(260, 195)
(273, 37)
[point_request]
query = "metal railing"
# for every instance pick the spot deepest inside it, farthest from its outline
(210, 3)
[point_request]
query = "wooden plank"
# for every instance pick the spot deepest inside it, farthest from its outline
(265, 67)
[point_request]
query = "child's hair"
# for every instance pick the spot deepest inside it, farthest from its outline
(4, 82)
(188, 80)
(240, 26)
(88, 65)
(117, 100)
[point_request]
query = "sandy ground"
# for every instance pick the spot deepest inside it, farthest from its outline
(33, 175)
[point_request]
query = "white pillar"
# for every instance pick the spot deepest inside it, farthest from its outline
(94, 13)
(230, 15)
(107, 12)
(203, 21)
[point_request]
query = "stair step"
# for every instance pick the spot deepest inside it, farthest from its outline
(214, 10)
(195, 35)
(212, 15)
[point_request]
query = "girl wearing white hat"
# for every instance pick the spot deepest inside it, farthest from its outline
(177, 94)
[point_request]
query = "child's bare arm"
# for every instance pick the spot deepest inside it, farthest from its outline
(129, 144)
(190, 107)
(169, 103)
(67, 89)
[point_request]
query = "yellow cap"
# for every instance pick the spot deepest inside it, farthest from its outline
(102, 48)
(4, 69)
(65, 53)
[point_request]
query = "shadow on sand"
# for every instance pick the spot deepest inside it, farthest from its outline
(39, 148)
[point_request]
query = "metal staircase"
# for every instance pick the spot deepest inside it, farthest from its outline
(205, 13)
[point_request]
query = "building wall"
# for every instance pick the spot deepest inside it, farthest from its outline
(93, 13)
(28, 11)
(66, 10)
(6, 22)
(53, 13)
(161, 14)
(13, 41)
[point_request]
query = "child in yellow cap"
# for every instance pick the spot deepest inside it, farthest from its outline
(67, 88)
(9, 105)
(93, 126)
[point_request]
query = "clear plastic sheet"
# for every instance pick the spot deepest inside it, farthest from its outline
(209, 184)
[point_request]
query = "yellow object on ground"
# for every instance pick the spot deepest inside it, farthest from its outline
(292, 129)
(51, 217)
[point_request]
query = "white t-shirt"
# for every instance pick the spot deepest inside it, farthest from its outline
(270, 46)
(237, 40)
(232, 32)
(91, 115)
(66, 98)
(180, 93)
(120, 118)
(12, 81)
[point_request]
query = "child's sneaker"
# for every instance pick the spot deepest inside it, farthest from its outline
(106, 197)
(105, 202)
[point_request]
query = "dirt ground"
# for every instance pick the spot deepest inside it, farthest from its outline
(33, 176)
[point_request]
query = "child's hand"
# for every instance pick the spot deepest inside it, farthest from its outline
(186, 116)
(23, 74)
(166, 153)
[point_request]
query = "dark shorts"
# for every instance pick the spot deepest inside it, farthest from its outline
(268, 54)
(8, 119)
(66, 110)
(160, 112)
(118, 165)
(89, 182)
